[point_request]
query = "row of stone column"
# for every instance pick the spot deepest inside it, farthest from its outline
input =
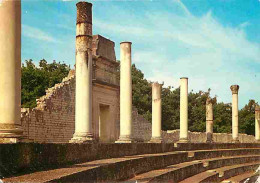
(126, 100)
(156, 114)
(209, 117)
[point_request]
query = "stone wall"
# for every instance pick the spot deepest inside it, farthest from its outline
(53, 120)
(103, 46)
(29, 157)
(172, 136)
(142, 129)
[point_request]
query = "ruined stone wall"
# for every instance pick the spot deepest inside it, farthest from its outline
(172, 136)
(53, 119)
(142, 129)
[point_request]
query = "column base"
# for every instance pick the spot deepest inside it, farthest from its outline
(156, 140)
(10, 133)
(209, 141)
(209, 137)
(124, 139)
(257, 140)
(235, 141)
(182, 140)
(82, 138)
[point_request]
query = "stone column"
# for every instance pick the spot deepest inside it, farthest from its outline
(257, 123)
(125, 94)
(209, 120)
(184, 110)
(156, 113)
(83, 107)
(234, 89)
(10, 71)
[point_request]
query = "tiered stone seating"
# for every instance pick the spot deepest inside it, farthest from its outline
(241, 178)
(188, 163)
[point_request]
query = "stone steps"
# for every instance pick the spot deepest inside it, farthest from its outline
(130, 166)
(183, 170)
(242, 177)
(106, 169)
(220, 174)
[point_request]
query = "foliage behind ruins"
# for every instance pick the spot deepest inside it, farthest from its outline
(35, 80)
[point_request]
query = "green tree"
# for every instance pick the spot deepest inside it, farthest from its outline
(197, 110)
(222, 118)
(35, 80)
(246, 118)
(170, 108)
(142, 93)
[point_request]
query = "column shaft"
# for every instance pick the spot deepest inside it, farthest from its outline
(156, 113)
(184, 110)
(257, 123)
(10, 71)
(83, 106)
(125, 93)
(209, 120)
(234, 89)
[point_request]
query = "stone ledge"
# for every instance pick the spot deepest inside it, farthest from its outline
(115, 168)
(21, 157)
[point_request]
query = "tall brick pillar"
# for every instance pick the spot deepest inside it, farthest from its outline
(234, 89)
(83, 108)
(10, 71)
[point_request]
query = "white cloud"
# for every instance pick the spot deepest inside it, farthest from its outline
(36, 33)
(212, 55)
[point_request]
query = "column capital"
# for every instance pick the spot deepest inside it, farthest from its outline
(156, 84)
(156, 91)
(126, 42)
(184, 78)
(257, 108)
(234, 89)
(209, 101)
(84, 12)
(257, 112)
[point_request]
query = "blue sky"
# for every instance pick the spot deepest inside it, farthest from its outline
(216, 43)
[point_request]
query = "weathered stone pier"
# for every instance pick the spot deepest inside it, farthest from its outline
(10, 71)
(83, 108)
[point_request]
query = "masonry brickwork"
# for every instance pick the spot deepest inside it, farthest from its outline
(172, 136)
(53, 120)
